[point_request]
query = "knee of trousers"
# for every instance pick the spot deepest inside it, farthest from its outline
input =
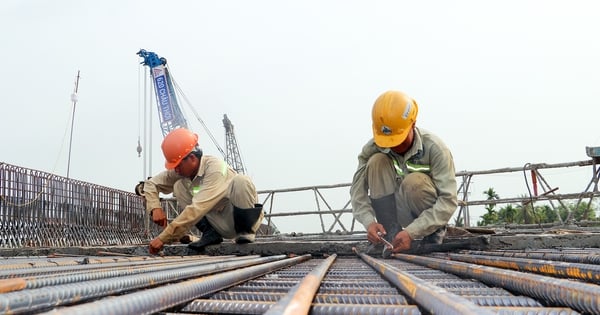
(378, 162)
(242, 192)
(418, 187)
(381, 175)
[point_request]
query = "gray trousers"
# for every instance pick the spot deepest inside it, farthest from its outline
(413, 192)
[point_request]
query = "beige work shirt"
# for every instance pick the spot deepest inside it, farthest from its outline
(209, 190)
(433, 158)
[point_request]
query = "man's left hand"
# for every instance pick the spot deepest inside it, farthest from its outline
(401, 242)
(155, 246)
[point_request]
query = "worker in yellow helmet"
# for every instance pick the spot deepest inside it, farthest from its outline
(405, 185)
(218, 201)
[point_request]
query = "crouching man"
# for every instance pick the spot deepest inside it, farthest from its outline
(218, 201)
(405, 186)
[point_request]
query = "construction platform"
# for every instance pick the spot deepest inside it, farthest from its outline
(71, 247)
(524, 272)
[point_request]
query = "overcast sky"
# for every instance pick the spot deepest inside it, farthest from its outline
(503, 83)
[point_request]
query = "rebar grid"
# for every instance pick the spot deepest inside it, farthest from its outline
(39, 209)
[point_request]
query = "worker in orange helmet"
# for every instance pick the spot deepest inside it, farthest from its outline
(218, 201)
(405, 185)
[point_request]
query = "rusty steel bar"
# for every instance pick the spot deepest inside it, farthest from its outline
(584, 258)
(28, 269)
(36, 299)
(582, 297)
(588, 273)
(161, 298)
(100, 272)
(434, 299)
(251, 307)
(299, 298)
(328, 298)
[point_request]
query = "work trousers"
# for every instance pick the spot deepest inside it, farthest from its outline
(414, 192)
(241, 193)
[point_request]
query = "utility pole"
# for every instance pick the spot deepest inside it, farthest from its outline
(74, 100)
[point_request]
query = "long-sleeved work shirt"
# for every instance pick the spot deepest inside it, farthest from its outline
(209, 190)
(429, 155)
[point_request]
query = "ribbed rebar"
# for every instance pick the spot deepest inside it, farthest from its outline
(431, 298)
(299, 298)
(582, 297)
(586, 272)
(101, 272)
(583, 258)
(157, 299)
(36, 299)
(92, 264)
(244, 307)
(533, 311)
(319, 298)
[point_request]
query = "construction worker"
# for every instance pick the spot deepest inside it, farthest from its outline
(405, 187)
(217, 200)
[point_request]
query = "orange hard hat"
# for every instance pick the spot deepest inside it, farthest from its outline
(177, 145)
(394, 114)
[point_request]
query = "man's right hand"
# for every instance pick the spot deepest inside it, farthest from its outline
(372, 232)
(159, 217)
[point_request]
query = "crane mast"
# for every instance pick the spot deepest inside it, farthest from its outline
(232, 156)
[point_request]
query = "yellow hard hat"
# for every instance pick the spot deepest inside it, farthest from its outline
(394, 114)
(177, 145)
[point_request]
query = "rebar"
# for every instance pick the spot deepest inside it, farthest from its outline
(582, 297)
(162, 298)
(299, 298)
(431, 298)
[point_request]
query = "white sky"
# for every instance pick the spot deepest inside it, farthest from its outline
(504, 83)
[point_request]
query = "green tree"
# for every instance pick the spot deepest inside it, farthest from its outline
(583, 211)
(491, 216)
(507, 214)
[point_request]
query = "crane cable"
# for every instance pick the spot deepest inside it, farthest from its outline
(188, 103)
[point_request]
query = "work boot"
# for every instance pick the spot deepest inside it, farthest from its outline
(209, 236)
(244, 221)
(385, 212)
(436, 237)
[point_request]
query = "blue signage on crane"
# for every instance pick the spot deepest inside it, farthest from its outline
(162, 93)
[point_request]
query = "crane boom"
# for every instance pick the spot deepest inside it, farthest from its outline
(169, 111)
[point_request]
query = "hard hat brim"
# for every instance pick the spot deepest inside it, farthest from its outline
(390, 141)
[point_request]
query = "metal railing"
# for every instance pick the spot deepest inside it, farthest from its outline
(39, 209)
(333, 220)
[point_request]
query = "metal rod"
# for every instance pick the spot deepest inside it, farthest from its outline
(37, 299)
(299, 298)
(589, 273)
(582, 297)
(154, 300)
(431, 298)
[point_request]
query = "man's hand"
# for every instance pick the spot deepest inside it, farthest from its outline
(401, 242)
(372, 232)
(159, 217)
(155, 246)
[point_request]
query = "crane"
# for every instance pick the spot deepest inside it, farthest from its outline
(171, 116)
